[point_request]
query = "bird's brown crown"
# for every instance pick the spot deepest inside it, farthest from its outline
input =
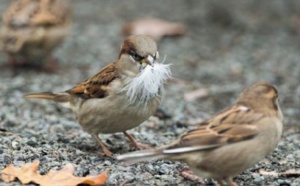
(261, 97)
(138, 44)
(261, 90)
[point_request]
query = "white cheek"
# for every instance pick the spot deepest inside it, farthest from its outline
(132, 60)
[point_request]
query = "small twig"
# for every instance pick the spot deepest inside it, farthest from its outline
(5, 132)
(188, 174)
(124, 183)
(291, 172)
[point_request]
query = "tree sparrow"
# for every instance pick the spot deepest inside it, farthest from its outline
(122, 95)
(32, 29)
(231, 141)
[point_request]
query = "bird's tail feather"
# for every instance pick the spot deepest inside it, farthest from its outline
(58, 97)
(138, 156)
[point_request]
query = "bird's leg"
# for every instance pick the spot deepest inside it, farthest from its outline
(231, 182)
(103, 147)
(188, 174)
(135, 143)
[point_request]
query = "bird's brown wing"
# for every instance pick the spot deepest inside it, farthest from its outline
(97, 85)
(232, 125)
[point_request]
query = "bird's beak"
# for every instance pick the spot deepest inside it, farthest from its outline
(149, 60)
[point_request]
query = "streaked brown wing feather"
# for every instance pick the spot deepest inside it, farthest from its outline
(231, 125)
(20, 13)
(32, 13)
(97, 85)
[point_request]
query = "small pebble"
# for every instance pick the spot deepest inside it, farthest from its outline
(15, 145)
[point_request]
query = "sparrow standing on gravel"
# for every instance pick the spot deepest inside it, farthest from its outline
(122, 95)
(32, 29)
(231, 141)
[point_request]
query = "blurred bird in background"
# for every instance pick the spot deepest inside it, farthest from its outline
(32, 29)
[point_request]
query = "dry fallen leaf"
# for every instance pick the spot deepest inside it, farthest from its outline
(296, 22)
(156, 28)
(291, 172)
(64, 177)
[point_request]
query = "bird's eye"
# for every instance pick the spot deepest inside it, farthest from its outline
(135, 56)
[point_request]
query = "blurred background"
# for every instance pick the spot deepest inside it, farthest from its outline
(226, 46)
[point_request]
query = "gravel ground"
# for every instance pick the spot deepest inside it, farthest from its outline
(228, 46)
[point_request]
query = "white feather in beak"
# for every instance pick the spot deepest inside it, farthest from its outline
(148, 83)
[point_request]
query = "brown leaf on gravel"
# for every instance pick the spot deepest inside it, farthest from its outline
(156, 28)
(28, 173)
(291, 172)
(196, 94)
(296, 22)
